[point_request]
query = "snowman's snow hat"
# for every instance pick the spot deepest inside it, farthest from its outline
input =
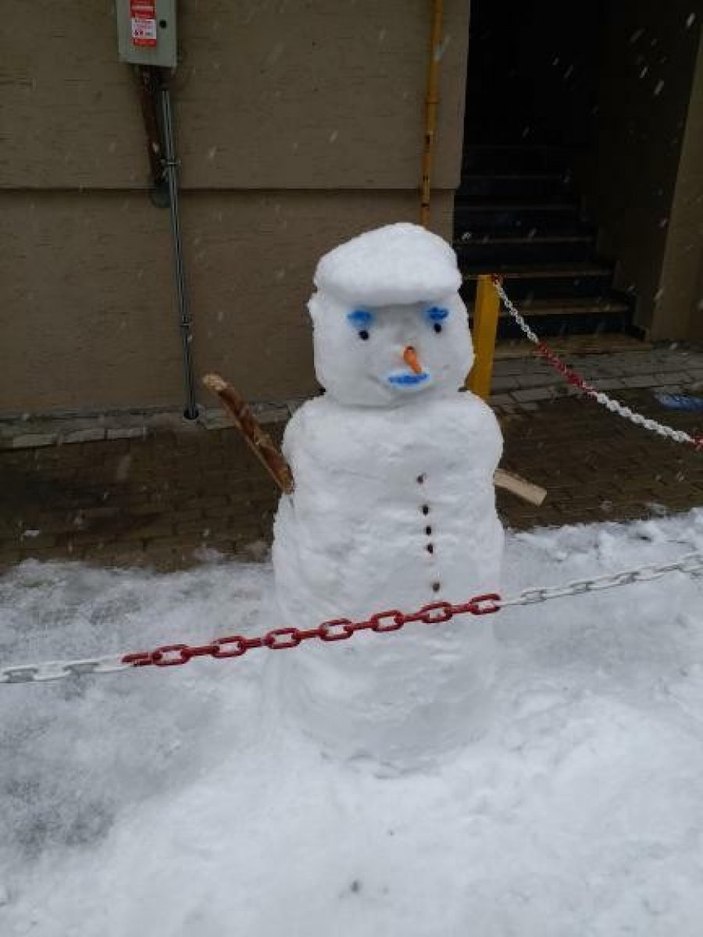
(394, 265)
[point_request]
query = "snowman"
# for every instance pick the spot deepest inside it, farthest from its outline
(393, 506)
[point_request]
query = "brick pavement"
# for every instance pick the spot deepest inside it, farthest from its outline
(162, 499)
(518, 380)
(597, 466)
(157, 500)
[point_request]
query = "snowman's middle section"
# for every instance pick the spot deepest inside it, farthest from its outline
(396, 506)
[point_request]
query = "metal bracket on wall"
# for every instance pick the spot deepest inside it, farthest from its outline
(149, 78)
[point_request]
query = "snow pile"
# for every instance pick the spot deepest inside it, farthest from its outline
(183, 802)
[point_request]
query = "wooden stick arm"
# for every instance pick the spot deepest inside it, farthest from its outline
(258, 440)
(519, 486)
(270, 456)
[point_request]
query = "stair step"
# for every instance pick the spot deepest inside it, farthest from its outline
(497, 205)
(586, 323)
(517, 273)
(502, 251)
(562, 319)
(565, 316)
(547, 282)
(487, 187)
(517, 214)
(513, 237)
(568, 307)
(504, 218)
(512, 158)
(603, 343)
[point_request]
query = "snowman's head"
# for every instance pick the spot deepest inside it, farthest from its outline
(389, 324)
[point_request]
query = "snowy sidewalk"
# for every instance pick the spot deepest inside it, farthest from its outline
(159, 492)
(185, 803)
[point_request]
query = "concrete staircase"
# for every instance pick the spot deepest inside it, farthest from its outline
(518, 213)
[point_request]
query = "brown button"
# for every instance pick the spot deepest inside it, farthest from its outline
(428, 531)
(425, 509)
(430, 548)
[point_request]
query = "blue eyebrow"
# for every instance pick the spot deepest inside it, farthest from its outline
(437, 314)
(360, 318)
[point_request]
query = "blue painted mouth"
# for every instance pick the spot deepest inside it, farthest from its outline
(408, 380)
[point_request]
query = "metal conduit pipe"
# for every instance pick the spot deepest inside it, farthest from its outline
(170, 164)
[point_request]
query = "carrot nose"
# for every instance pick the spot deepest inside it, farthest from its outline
(411, 359)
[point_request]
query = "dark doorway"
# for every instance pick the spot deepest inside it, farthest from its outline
(529, 140)
(533, 71)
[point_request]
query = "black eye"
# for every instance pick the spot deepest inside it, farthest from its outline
(364, 335)
(437, 327)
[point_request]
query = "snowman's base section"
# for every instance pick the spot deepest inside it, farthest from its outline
(399, 699)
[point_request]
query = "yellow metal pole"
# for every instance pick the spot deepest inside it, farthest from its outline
(486, 309)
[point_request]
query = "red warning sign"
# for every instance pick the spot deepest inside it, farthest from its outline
(143, 22)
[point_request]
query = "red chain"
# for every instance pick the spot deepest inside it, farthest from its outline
(571, 376)
(339, 629)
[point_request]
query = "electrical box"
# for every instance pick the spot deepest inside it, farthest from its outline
(146, 32)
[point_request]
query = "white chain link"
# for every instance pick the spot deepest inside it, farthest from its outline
(60, 669)
(603, 399)
(690, 563)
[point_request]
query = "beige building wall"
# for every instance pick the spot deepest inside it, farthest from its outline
(648, 57)
(678, 311)
(298, 125)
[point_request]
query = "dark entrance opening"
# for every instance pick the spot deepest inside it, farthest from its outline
(529, 134)
(533, 72)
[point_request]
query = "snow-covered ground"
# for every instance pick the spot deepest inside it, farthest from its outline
(182, 803)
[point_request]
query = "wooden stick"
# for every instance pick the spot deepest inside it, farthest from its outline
(270, 456)
(258, 440)
(519, 486)
(431, 101)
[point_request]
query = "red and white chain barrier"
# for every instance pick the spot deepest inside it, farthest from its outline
(577, 380)
(340, 629)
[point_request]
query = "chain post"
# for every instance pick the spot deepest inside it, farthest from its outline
(485, 328)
